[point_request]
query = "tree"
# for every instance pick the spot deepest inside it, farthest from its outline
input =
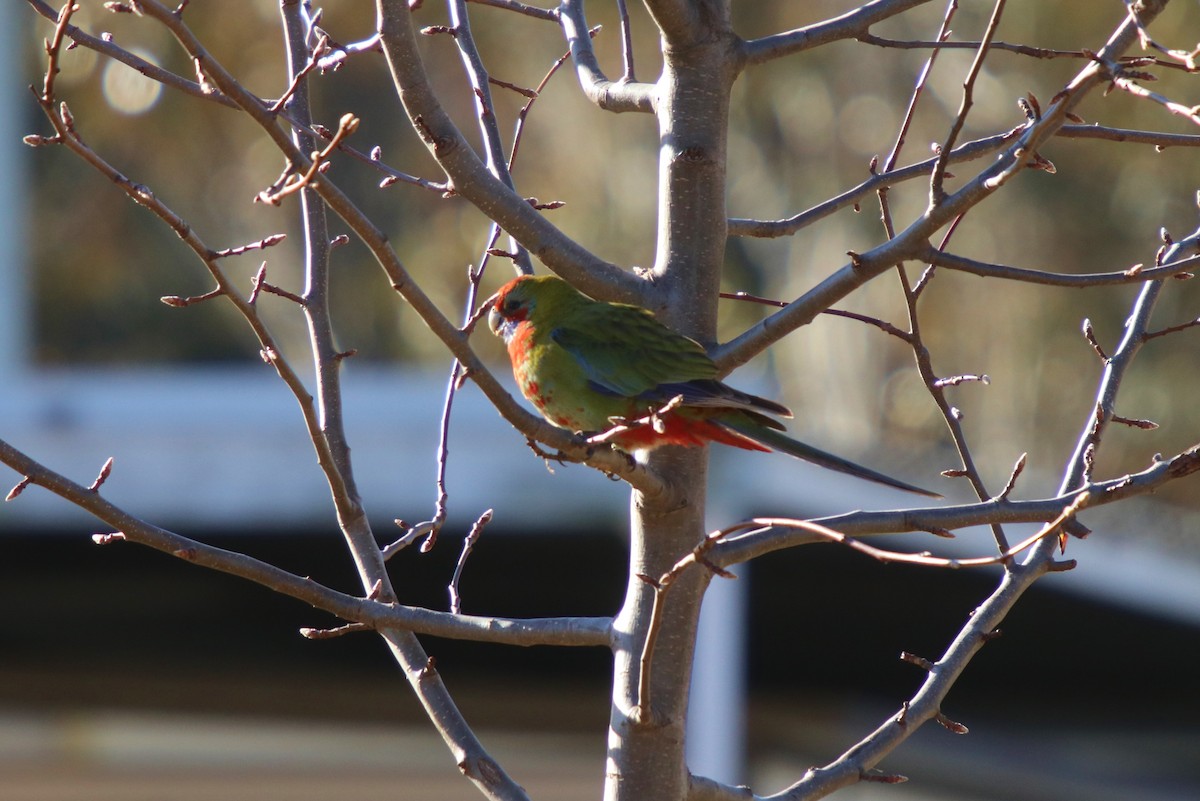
(703, 57)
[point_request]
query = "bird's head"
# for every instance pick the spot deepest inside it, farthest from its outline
(523, 299)
(509, 307)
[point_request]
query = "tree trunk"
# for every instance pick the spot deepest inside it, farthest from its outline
(646, 753)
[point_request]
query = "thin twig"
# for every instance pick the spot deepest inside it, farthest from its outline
(882, 325)
(333, 633)
(1173, 329)
(628, 75)
(105, 472)
(1130, 86)
(966, 152)
(753, 544)
(489, 128)
(936, 192)
(847, 26)
(1018, 468)
(936, 387)
(1055, 526)
(1185, 59)
(942, 258)
(318, 51)
(643, 711)
(550, 14)
(468, 546)
(1010, 47)
(347, 125)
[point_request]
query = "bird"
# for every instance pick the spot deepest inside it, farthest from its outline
(614, 370)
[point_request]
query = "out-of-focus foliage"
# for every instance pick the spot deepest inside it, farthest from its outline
(803, 129)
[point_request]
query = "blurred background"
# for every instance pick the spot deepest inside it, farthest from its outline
(126, 674)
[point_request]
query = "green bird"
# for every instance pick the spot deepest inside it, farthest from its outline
(592, 366)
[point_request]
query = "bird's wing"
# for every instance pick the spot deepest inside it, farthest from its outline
(717, 394)
(625, 351)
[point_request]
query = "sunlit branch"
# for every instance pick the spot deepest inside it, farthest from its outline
(848, 26)
(117, 53)
(967, 152)
(550, 14)
(143, 196)
(743, 547)
(327, 363)
(607, 94)
(1009, 47)
(629, 73)
(851, 198)
(911, 243)
(573, 631)
(1131, 275)
(1190, 112)
(573, 448)
(926, 559)
(936, 192)
(489, 128)
(981, 627)
(470, 177)
(923, 359)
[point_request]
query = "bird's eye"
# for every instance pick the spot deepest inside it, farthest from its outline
(510, 306)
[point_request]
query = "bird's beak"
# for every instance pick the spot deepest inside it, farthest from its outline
(495, 321)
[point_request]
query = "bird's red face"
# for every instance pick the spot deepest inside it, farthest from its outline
(509, 309)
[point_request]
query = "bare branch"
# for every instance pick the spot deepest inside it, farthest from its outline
(963, 264)
(377, 242)
(1055, 526)
(1159, 139)
(936, 193)
(752, 544)
(338, 54)
(333, 633)
(628, 75)
(153, 71)
(608, 95)
(468, 546)
(852, 25)
(1018, 468)
(497, 162)
(882, 325)
(643, 710)
(701, 788)
(963, 153)
(852, 197)
(1173, 329)
(577, 631)
(913, 241)
(550, 14)
(471, 178)
(1128, 84)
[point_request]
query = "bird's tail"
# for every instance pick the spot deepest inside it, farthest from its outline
(778, 441)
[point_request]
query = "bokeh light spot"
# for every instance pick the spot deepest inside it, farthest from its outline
(127, 90)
